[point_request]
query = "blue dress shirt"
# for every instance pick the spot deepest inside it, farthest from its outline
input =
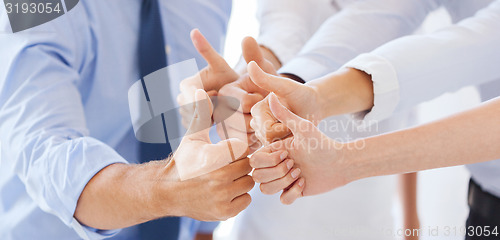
(64, 109)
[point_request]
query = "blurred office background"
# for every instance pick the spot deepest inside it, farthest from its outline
(442, 192)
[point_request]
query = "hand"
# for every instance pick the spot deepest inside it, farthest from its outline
(319, 158)
(247, 93)
(122, 195)
(302, 99)
(211, 78)
(215, 175)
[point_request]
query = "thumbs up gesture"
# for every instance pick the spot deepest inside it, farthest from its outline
(301, 99)
(307, 163)
(211, 78)
(248, 94)
(207, 157)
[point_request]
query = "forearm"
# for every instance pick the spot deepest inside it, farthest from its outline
(408, 196)
(418, 68)
(119, 196)
(469, 137)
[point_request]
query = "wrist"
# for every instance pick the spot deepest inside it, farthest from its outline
(345, 91)
(164, 189)
(352, 160)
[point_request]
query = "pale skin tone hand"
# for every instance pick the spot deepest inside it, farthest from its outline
(295, 96)
(313, 158)
(219, 79)
(122, 195)
(248, 94)
(324, 88)
(211, 78)
(461, 139)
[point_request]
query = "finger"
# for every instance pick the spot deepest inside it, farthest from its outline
(241, 186)
(251, 51)
(231, 149)
(280, 184)
(240, 121)
(266, 159)
(235, 169)
(254, 147)
(202, 118)
(240, 203)
(289, 196)
(279, 85)
(206, 50)
(295, 123)
(247, 100)
(275, 131)
(264, 175)
(265, 124)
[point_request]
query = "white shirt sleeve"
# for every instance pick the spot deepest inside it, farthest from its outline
(360, 27)
(414, 69)
(286, 25)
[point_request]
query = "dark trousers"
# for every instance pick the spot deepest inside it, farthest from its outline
(483, 221)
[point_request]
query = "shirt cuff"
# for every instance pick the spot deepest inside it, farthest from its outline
(86, 232)
(305, 68)
(385, 88)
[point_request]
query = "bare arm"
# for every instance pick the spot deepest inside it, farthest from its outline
(122, 195)
(408, 196)
(469, 137)
(466, 138)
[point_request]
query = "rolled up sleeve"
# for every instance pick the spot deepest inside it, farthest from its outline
(44, 136)
(414, 69)
(359, 28)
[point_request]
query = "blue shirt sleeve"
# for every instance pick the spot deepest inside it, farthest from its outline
(42, 120)
(207, 227)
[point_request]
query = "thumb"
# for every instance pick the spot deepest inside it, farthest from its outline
(293, 122)
(202, 118)
(251, 51)
(279, 85)
(213, 58)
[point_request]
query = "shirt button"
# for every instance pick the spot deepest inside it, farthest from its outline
(168, 49)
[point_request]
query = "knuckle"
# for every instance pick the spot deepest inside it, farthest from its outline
(283, 168)
(257, 176)
(246, 106)
(227, 89)
(276, 160)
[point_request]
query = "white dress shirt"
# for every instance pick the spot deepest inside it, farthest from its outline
(413, 69)
(361, 210)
